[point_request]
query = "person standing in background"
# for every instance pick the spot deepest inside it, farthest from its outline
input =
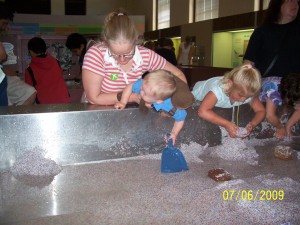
(150, 45)
(274, 47)
(17, 92)
(45, 74)
(78, 45)
(5, 17)
(186, 51)
(109, 66)
(166, 51)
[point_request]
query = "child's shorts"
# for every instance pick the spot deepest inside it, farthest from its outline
(270, 89)
(18, 91)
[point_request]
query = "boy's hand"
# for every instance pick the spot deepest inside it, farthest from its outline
(120, 105)
(232, 129)
(172, 136)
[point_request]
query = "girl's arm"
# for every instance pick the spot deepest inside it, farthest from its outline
(294, 119)
(260, 112)
(206, 112)
(92, 85)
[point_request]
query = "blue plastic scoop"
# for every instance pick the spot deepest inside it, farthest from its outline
(172, 159)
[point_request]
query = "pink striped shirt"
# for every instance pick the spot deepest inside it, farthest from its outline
(115, 79)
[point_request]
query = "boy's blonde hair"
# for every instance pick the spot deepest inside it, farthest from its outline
(162, 84)
(245, 76)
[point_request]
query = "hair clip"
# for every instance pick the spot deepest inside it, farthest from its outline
(120, 14)
(248, 66)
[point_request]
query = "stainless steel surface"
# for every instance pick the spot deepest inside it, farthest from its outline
(76, 133)
(132, 191)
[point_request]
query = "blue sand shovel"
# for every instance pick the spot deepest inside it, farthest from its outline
(172, 159)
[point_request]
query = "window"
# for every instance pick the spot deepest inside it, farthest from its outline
(265, 4)
(163, 11)
(206, 9)
(75, 7)
(31, 6)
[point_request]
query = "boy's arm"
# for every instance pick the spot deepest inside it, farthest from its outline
(126, 93)
(125, 97)
(260, 112)
(206, 112)
(178, 125)
(294, 119)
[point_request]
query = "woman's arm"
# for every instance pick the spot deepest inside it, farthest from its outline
(206, 112)
(92, 85)
(175, 70)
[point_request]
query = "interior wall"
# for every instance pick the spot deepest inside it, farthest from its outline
(222, 47)
(179, 7)
(235, 7)
(144, 8)
(203, 33)
(57, 7)
(96, 7)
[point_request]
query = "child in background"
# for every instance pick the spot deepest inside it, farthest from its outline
(78, 45)
(277, 91)
(157, 89)
(238, 86)
(45, 74)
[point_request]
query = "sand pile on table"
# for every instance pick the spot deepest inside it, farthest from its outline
(33, 163)
(234, 149)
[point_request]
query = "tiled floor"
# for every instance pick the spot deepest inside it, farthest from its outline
(134, 191)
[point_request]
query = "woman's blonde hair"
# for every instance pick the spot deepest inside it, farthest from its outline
(119, 27)
(162, 84)
(246, 76)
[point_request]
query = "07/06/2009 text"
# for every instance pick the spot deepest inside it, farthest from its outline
(251, 195)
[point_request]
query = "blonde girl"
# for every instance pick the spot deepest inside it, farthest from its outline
(239, 86)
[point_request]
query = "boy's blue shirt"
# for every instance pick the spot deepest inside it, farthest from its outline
(167, 105)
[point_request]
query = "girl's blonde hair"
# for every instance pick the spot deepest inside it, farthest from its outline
(119, 27)
(245, 76)
(162, 84)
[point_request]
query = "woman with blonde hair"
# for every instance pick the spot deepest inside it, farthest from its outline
(119, 60)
